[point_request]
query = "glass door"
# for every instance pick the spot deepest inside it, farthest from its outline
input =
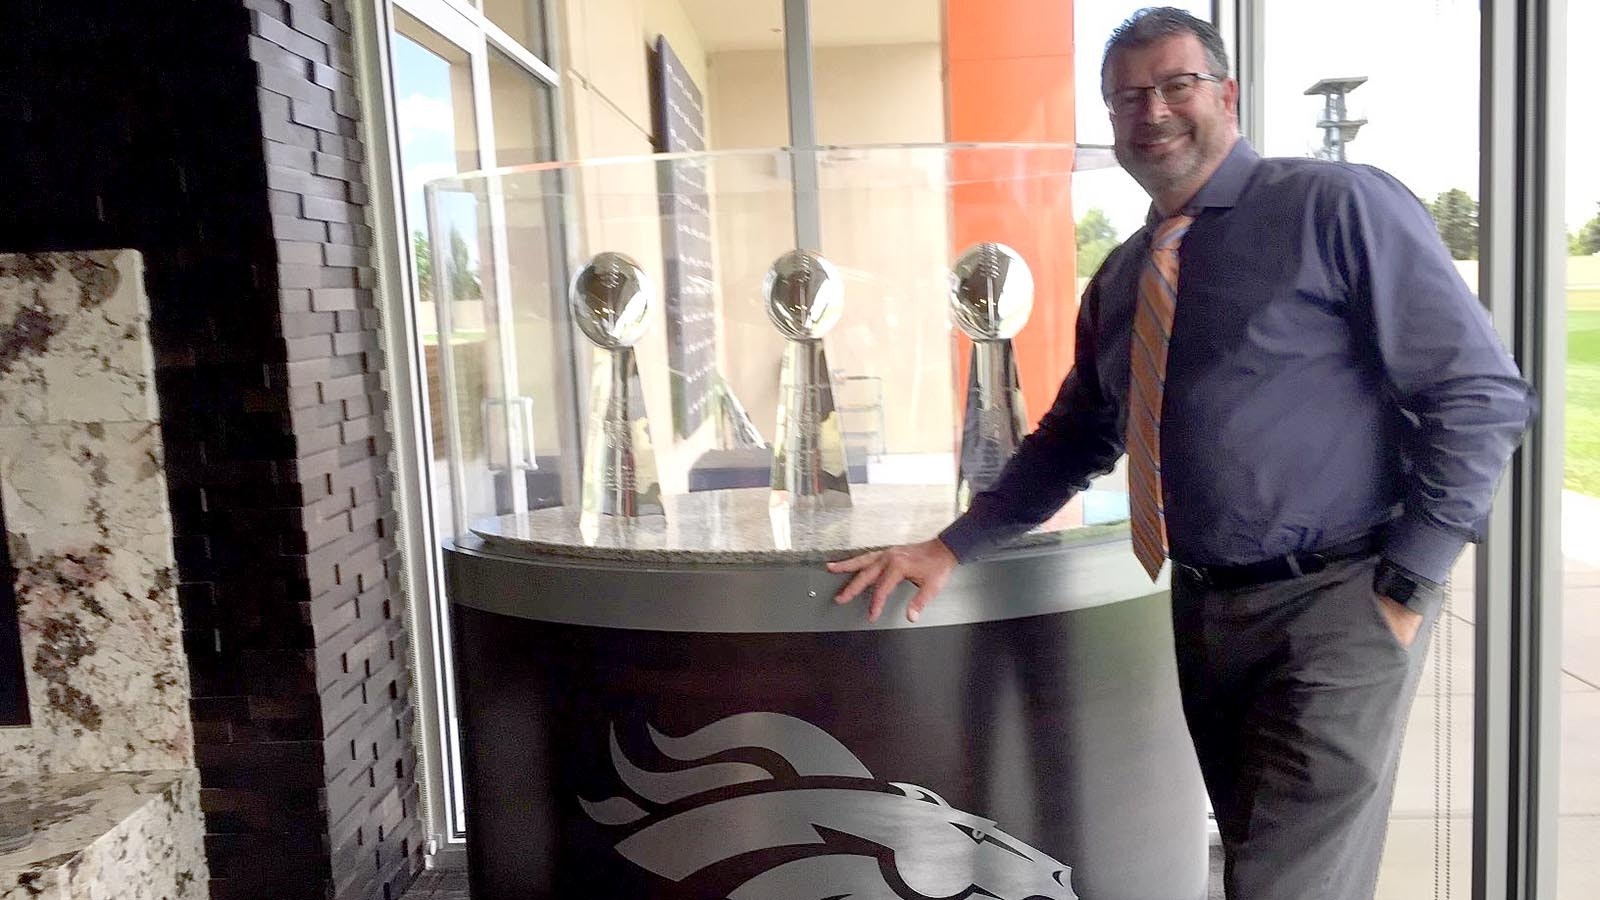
(467, 90)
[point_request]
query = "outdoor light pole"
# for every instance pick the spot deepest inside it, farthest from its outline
(1337, 129)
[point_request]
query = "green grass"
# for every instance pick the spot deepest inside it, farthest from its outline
(1583, 401)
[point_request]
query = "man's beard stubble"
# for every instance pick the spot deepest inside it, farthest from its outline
(1159, 177)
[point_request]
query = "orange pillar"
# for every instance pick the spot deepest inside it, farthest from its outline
(1008, 77)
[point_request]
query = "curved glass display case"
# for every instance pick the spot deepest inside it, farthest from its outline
(672, 388)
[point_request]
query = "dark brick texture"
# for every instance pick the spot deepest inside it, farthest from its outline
(220, 138)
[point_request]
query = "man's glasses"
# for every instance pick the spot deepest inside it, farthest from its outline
(1174, 90)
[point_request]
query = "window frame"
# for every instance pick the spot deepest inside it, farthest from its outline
(1522, 248)
(468, 29)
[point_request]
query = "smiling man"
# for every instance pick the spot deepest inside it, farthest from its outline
(1315, 411)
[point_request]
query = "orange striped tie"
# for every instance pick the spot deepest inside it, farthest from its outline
(1152, 329)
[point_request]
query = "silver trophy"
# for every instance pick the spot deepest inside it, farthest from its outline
(804, 299)
(610, 301)
(991, 295)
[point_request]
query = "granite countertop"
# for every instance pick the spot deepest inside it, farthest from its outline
(69, 814)
(738, 527)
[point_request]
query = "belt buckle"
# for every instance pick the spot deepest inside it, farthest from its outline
(1315, 562)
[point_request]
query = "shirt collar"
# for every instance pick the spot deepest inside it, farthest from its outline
(1224, 186)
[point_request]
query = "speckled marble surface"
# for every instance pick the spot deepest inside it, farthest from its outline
(90, 535)
(106, 764)
(737, 527)
(73, 347)
(109, 836)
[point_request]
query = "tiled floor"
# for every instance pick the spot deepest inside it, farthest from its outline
(1578, 867)
(438, 884)
(1425, 860)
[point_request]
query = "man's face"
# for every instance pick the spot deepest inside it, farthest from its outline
(1166, 148)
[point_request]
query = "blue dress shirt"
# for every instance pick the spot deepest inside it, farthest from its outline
(1329, 375)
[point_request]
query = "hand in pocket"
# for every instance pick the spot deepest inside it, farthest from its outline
(1402, 620)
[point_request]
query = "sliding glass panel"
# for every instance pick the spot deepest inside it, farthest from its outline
(437, 125)
(1578, 867)
(1402, 97)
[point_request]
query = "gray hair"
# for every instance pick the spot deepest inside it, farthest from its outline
(1157, 23)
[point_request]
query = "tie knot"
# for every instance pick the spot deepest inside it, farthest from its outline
(1170, 232)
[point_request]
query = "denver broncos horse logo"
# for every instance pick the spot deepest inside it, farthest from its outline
(822, 828)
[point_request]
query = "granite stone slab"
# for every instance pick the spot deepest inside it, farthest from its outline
(104, 479)
(108, 836)
(738, 527)
(107, 682)
(87, 521)
(74, 339)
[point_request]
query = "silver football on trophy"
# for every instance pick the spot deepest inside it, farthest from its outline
(610, 301)
(805, 296)
(991, 292)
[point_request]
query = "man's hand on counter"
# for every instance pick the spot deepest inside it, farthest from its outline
(926, 565)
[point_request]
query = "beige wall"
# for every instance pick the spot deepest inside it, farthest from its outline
(883, 223)
(666, 18)
(884, 226)
(606, 82)
(606, 92)
(1583, 279)
(1583, 282)
(864, 95)
(891, 244)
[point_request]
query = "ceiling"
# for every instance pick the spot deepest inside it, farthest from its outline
(758, 24)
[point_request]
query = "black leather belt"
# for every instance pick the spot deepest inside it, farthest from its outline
(1278, 568)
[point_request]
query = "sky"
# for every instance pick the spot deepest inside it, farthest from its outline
(426, 121)
(1421, 98)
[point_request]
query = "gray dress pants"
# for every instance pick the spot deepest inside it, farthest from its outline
(1296, 694)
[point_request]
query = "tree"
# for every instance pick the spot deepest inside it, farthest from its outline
(459, 270)
(462, 274)
(1096, 239)
(1587, 241)
(422, 252)
(1456, 215)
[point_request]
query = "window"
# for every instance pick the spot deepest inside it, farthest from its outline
(1578, 815)
(1408, 92)
(521, 20)
(468, 90)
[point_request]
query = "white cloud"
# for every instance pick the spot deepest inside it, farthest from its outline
(418, 175)
(422, 116)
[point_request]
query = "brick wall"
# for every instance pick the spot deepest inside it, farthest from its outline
(220, 138)
(342, 541)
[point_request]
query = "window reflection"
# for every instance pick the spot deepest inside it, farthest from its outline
(1578, 870)
(1407, 93)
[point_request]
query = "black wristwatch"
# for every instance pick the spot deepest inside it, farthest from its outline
(1398, 584)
